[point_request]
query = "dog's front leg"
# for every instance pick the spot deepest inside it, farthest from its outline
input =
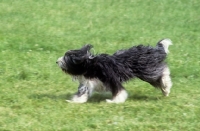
(82, 95)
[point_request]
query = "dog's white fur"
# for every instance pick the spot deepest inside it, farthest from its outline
(166, 82)
(166, 43)
(95, 85)
(120, 98)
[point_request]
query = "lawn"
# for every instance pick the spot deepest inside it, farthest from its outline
(33, 90)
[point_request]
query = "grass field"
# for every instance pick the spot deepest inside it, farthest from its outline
(33, 90)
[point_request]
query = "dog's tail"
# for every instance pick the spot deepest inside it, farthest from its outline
(165, 43)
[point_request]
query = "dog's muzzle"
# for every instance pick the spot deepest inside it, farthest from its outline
(60, 62)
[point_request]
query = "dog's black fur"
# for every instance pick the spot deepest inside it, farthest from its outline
(144, 62)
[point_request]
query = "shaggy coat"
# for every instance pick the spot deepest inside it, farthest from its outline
(143, 62)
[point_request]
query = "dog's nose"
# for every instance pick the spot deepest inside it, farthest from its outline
(57, 61)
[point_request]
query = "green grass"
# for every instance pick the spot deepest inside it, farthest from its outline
(33, 90)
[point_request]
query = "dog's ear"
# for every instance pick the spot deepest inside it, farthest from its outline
(82, 54)
(91, 57)
(86, 48)
(78, 60)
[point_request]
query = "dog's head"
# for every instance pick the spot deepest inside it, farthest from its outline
(74, 61)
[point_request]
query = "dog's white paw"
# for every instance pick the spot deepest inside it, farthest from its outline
(114, 101)
(109, 101)
(119, 98)
(70, 101)
(78, 99)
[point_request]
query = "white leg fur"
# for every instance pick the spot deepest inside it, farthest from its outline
(119, 98)
(91, 85)
(166, 82)
(96, 85)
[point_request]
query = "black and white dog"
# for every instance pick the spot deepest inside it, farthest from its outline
(103, 72)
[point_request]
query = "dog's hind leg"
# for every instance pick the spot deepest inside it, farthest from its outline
(119, 98)
(166, 83)
(119, 94)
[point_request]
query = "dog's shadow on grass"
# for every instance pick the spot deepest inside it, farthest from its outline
(99, 97)
(95, 98)
(141, 97)
(50, 96)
